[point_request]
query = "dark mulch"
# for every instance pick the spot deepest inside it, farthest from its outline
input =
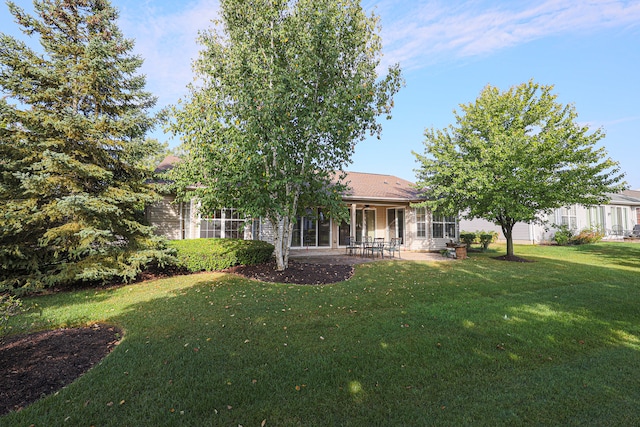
(512, 258)
(35, 365)
(299, 273)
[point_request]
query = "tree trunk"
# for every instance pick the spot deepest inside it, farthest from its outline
(507, 230)
(283, 228)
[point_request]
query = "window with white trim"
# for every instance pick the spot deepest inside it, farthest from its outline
(421, 222)
(443, 227)
(223, 223)
(567, 216)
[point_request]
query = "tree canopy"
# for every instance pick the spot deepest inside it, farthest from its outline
(72, 127)
(285, 90)
(514, 156)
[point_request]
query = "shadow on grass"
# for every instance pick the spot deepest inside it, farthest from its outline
(402, 343)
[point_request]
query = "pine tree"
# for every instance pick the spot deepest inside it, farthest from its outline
(72, 131)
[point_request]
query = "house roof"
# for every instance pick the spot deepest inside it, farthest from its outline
(168, 163)
(361, 186)
(627, 197)
(377, 187)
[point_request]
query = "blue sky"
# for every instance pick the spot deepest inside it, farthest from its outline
(448, 50)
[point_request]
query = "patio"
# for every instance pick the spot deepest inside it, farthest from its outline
(339, 256)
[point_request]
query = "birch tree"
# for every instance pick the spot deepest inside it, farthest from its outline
(515, 156)
(285, 90)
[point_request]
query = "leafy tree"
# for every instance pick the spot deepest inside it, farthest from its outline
(515, 156)
(72, 126)
(286, 88)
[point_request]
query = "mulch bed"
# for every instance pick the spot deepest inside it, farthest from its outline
(35, 365)
(298, 273)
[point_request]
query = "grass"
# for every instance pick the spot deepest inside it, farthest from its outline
(475, 342)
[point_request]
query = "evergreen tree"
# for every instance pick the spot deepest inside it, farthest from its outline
(72, 128)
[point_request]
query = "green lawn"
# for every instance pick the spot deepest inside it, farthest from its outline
(473, 342)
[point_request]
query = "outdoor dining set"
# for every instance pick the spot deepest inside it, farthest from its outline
(369, 246)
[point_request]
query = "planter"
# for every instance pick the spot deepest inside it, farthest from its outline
(461, 249)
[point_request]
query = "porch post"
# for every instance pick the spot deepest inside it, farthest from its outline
(353, 220)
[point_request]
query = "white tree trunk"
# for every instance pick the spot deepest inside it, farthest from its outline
(283, 228)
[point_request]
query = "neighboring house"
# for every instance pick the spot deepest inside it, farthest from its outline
(616, 219)
(379, 206)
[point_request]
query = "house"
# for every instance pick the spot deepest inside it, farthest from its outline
(616, 219)
(379, 206)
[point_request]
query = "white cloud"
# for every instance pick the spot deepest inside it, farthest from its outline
(167, 42)
(434, 31)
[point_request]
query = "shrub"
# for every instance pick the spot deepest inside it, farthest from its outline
(563, 235)
(218, 254)
(486, 238)
(468, 238)
(587, 235)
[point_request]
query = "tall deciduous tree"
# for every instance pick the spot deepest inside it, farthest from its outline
(286, 90)
(72, 129)
(513, 157)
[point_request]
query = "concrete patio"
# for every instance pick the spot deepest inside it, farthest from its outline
(340, 256)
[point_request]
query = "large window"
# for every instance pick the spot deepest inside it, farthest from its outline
(444, 227)
(618, 220)
(222, 223)
(595, 217)
(313, 229)
(421, 222)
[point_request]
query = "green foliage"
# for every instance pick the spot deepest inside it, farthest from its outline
(588, 236)
(218, 254)
(486, 238)
(72, 150)
(468, 238)
(513, 157)
(9, 306)
(285, 90)
(566, 236)
(563, 235)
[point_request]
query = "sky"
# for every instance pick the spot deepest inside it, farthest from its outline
(449, 50)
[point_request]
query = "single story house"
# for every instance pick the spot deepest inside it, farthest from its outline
(379, 206)
(616, 219)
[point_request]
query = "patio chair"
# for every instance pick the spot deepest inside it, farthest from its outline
(366, 245)
(352, 245)
(636, 231)
(377, 247)
(393, 246)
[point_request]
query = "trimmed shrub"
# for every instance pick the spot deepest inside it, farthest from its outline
(467, 238)
(486, 238)
(218, 254)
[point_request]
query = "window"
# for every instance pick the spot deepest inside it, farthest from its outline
(595, 217)
(567, 216)
(618, 220)
(222, 223)
(395, 223)
(444, 227)
(185, 220)
(421, 222)
(312, 230)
